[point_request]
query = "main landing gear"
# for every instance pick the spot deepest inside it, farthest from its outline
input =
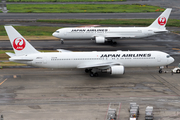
(92, 72)
(111, 42)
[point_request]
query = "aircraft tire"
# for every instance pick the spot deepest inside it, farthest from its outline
(91, 74)
(160, 71)
(95, 74)
(87, 70)
(178, 71)
(114, 43)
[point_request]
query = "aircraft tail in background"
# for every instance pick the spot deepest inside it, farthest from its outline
(161, 21)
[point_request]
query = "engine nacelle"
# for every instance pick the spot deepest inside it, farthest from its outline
(117, 70)
(100, 39)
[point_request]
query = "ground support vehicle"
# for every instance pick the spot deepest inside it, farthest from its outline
(133, 111)
(176, 69)
(149, 113)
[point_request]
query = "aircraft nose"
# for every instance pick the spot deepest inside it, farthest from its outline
(171, 60)
(55, 34)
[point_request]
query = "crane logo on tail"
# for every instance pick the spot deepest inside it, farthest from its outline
(19, 43)
(162, 20)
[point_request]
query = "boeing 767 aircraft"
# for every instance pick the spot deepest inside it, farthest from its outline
(103, 34)
(113, 62)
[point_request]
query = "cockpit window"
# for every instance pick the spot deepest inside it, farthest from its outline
(57, 31)
(168, 56)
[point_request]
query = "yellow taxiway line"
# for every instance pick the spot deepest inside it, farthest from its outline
(3, 81)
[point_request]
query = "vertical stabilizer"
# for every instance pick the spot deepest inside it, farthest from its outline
(20, 45)
(161, 21)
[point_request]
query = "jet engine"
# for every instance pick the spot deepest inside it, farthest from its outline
(100, 39)
(117, 70)
(114, 70)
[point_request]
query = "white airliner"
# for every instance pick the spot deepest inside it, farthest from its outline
(113, 62)
(103, 34)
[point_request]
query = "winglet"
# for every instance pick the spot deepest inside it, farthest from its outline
(161, 21)
(62, 50)
(20, 45)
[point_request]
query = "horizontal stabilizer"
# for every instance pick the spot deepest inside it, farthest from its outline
(10, 54)
(20, 59)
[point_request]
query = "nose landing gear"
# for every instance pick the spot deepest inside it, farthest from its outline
(160, 69)
(62, 41)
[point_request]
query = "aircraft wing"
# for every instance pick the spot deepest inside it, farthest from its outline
(97, 64)
(162, 31)
(119, 36)
(62, 50)
(88, 26)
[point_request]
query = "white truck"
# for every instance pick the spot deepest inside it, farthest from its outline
(149, 113)
(111, 114)
(176, 69)
(134, 111)
(113, 111)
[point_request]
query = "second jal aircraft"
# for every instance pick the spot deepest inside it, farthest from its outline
(113, 62)
(103, 34)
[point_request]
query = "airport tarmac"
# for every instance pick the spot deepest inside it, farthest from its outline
(71, 94)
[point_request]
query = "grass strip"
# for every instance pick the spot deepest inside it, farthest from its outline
(4, 59)
(139, 22)
(8, 63)
(65, 0)
(47, 31)
(81, 8)
(120, 22)
(31, 30)
(3, 55)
